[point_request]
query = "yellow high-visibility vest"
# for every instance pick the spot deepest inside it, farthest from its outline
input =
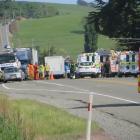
(47, 68)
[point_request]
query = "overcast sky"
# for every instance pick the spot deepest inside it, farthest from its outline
(58, 1)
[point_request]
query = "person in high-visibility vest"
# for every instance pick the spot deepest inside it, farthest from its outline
(31, 71)
(47, 71)
(41, 71)
(27, 71)
(36, 72)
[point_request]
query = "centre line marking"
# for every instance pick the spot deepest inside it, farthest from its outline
(76, 92)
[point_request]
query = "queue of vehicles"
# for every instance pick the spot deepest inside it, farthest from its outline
(13, 64)
(110, 63)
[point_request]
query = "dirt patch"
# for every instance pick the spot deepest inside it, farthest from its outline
(95, 136)
(99, 136)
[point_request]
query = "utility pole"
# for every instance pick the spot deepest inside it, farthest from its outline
(1, 40)
(88, 134)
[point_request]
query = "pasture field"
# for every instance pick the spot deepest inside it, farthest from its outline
(65, 32)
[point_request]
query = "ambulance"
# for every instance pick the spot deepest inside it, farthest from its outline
(128, 63)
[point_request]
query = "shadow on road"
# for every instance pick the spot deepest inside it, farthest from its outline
(106, 105)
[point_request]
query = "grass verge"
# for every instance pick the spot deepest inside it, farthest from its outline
(30, 120)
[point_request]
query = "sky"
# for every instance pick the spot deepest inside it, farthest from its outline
(58, 1)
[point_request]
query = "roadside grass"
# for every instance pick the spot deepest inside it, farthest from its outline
(12, 126)
(64, 32)
(38, 121)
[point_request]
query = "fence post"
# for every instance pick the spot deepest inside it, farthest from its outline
(88, 135)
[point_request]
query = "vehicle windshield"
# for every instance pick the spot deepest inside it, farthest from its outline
(7, 58)
(10, 70)
(24, 62)
(86, 64)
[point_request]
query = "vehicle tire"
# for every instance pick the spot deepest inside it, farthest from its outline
(119, 75)
(5, 81)
(20, 79)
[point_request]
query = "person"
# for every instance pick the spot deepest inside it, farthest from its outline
(102, 70)
(30, 71)
(107, 68)
(41, 71)
(36, 72)
(47, 71)
(67, 69)
(72, 70)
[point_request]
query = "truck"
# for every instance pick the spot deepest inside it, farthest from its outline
(9, 59)
(26, 56)
(56, 64)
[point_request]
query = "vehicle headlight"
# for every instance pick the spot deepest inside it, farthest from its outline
(18, 75)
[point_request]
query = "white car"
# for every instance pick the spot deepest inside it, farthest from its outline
(13, 74)
(87, 69)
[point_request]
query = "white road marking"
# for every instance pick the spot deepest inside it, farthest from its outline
(76, 92)
(113, 97)
(3, 85)
(63, 85)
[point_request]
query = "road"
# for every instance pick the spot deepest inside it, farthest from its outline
(4, 36)
(116, 103)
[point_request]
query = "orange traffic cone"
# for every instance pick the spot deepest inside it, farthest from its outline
(51, 76)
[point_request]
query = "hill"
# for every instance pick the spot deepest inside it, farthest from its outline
(63, 32)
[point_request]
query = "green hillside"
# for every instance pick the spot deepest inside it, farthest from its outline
(64, 32)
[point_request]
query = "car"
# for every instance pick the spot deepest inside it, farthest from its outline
(87, 69)
(13, 74)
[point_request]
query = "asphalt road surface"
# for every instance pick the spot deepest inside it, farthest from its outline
(4, 36)
(116, 103)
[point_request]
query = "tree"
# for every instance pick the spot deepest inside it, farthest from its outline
(90, 38)
(6, 9)
(90, 34)
(119, 19)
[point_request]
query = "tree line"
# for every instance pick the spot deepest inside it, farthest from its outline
(118, 19)
(10, 9)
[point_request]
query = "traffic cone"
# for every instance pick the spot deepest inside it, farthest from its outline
(51, 76)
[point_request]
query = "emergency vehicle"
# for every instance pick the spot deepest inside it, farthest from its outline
(88, 64)
(128, 63)
(104, 56)
(114, 63)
